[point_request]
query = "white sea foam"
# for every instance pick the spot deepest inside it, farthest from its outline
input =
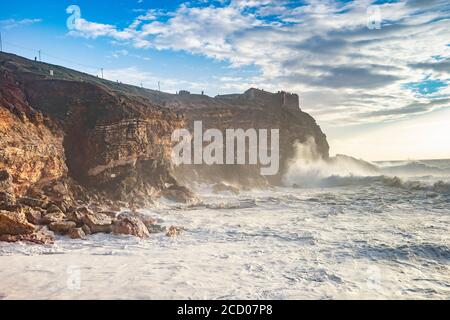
(344, 232)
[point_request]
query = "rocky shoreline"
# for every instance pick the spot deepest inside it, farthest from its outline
(37, 220)
(81, 155)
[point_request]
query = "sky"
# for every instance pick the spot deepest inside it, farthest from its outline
(374, 74)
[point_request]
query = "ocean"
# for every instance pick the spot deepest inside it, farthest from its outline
(336, 231)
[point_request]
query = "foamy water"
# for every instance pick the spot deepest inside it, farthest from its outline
(351, 237)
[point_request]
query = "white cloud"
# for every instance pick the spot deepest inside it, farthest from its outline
(321, 49)
(119, 53)
(13, 23)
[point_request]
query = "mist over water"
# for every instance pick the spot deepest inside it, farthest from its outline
(308, 169)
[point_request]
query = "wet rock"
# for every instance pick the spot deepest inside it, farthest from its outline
(64, 206)
(36, 193)
(86, 230)
(110, 214)
(174, 231)
(130, 225)
(39, 237)
(98, 223)
(54, 209)
(32, 202)
(62, 227)
(76, 233)
(7, 201)
(14, 223)
(77, 215)
(179, 194)
(33, 216)
(155, 228)
(147, 220)
(53, 217)
(222, 187)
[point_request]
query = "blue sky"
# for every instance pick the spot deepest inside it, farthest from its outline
(362, 68)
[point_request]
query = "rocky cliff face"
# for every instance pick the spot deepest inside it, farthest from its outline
(30, 143)
(74, 126)
(59, 126)
(255, 109)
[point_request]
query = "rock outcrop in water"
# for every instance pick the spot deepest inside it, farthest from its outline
(69, 140)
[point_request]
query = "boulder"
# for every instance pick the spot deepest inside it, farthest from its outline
(155, 228)
(63, 205)
(32, 202)
(62, 227)
(98, 223)
(33, 216)
(76, 216)
(86, 230)
(38, 237)
(53, 217)
(147, 220)
(54, 209)
(130, 225)
(36, 193)
(7, 201)
(76, 233)
(174, 231)
(14, 223)
(179, 194)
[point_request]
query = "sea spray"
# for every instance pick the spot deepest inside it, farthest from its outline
(309, 169)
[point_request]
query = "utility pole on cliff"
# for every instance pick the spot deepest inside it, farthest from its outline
(102, 74)
(40, 60)
(159, 86)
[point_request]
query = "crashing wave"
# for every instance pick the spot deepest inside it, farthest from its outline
(309, 170)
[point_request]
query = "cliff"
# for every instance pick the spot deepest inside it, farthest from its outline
(63, 128)
(70, 125)
(253, 109)
(75, 149)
